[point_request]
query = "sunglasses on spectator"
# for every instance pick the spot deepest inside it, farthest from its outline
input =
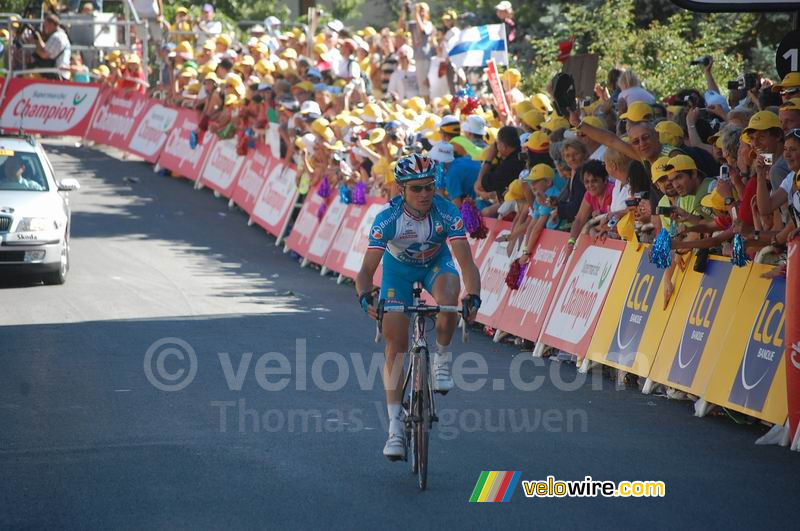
(417, 188)
(794, 133)
(643, 138)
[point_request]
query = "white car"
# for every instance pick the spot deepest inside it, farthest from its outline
(34, 212)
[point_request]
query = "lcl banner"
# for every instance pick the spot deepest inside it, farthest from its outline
(118, 114)
(48, 107)
(630, 327)
(750, 376)
(587, 281)
(699, 322)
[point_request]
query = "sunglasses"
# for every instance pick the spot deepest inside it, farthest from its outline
(794, 133)
(418, 188)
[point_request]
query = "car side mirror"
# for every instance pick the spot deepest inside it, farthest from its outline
(68, 185)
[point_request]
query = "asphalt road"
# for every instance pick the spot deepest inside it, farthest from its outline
(87, 441)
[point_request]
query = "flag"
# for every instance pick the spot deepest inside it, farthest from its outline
(476, 45)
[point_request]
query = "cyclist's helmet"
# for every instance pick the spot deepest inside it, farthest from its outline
(414, 167)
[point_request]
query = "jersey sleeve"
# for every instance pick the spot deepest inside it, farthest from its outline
(453, 221)
(380, 233)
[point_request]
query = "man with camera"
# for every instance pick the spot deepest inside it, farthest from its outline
(52, 47)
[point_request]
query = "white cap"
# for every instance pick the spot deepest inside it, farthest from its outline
(405, 51)
(442, 152)
(448, 119)
(272, 21)
(475, 124)
(505, 5)
(310, 107)
(336, 25)
(307, 141)
(714, 98)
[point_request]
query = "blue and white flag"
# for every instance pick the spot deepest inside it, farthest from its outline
(476, 45)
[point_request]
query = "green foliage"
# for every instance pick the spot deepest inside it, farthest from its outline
(345, 9)
(659, 52)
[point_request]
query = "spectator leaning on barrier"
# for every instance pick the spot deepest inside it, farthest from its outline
(52, 48)
(501, 164)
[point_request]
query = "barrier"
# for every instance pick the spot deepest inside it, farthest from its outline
(586, 282)
(699, 322)
(631, 326)
(47, 107)
(524, 310)
(750, 376)
(793, 341)
(603, 303)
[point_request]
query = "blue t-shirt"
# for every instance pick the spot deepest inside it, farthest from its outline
(413, 241)
(461, 176)
(538, 210)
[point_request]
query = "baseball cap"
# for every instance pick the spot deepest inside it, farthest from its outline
(680, 163)
(715, 98)
(538, 142)
(533, 118)
(790, 81)
(208, 8)
(335, 26)
(505, 5)
(516, 191)
(638, 111)
(539, 172)
(310, 107)
(442, 152)
(713, 200)
(450, 125)
(791, 105)
(555, 123)
(763, 120)
(658, 171)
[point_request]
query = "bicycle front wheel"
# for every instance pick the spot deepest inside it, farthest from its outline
(422, 412)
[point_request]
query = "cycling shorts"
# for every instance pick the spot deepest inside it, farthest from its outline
(398, 278)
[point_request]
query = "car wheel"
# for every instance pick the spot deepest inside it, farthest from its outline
(60, 276)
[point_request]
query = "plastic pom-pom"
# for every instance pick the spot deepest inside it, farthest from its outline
(738, 256)
(324, 189)
(473, 221)
(360, 193)
(516, 274)
(661, 252)
(345, 194)
(193, 139)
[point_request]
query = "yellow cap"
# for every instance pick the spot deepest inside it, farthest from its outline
(538, 142)
(417, 104)
(533, 118)
(211, 76)
(638, 111)
(223, 39)
(659, 169)
(101, 71)
(790, 81)
(133, 58)
(263, 67)
(511, 77)
(670, 127)
(320, 125)
(247, 60)
(539, 172)
(516, 191)
(555, 123)
(792, 104)
(289, 53)
(713, 200)
(181, 10)
(763, 120)
(192, 87)
(680, 163)
(305, 86)
(336, 146)
(231, 100)
(376, 135)
(594, 121)
(188, 72)
(522, 107)
(542, 102)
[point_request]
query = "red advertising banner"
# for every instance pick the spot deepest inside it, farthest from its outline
(48, 107)
(151, 135)
(222, 167)
(576, 309)
(497, 90)
(117, 117)
(177, 155)
(524, 310)
(792, 339)
(326, 233)
(358, 247)
(337, 254)
(306, 224)
(275, 200)
(494, 268)
(256, 167)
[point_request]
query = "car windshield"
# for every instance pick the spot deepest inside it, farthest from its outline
(21, 170)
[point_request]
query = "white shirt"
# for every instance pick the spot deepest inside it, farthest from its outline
(788, 181)
(146, 9)
(58, 43)
(404, 82)
(618, 196)
(599, 153)
(438, 85)
(637, 94)
(207, 30)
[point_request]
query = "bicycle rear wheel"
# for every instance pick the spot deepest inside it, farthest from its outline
(423, 414)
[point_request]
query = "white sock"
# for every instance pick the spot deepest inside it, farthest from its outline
(442, 355)
(394, 412)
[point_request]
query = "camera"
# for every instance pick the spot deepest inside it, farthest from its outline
(734, 85)
(642, 195)
(767, 158)
(633, 202)
(750, 81)
(692, 100)
(704, 61)
(724, 173)
(665, 210)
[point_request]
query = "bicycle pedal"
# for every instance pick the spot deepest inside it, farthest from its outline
(394, 458)
(434, 418)
(441, 392)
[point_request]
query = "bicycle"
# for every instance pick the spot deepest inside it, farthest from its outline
(418, 402)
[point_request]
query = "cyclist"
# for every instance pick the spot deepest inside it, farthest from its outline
(411, 236)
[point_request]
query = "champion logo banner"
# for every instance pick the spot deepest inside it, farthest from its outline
(494, 486)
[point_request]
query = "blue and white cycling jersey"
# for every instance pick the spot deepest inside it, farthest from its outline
(416, 242)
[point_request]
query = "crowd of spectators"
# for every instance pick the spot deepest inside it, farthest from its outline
(704, 164)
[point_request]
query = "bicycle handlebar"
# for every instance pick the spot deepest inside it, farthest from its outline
(424, 309)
